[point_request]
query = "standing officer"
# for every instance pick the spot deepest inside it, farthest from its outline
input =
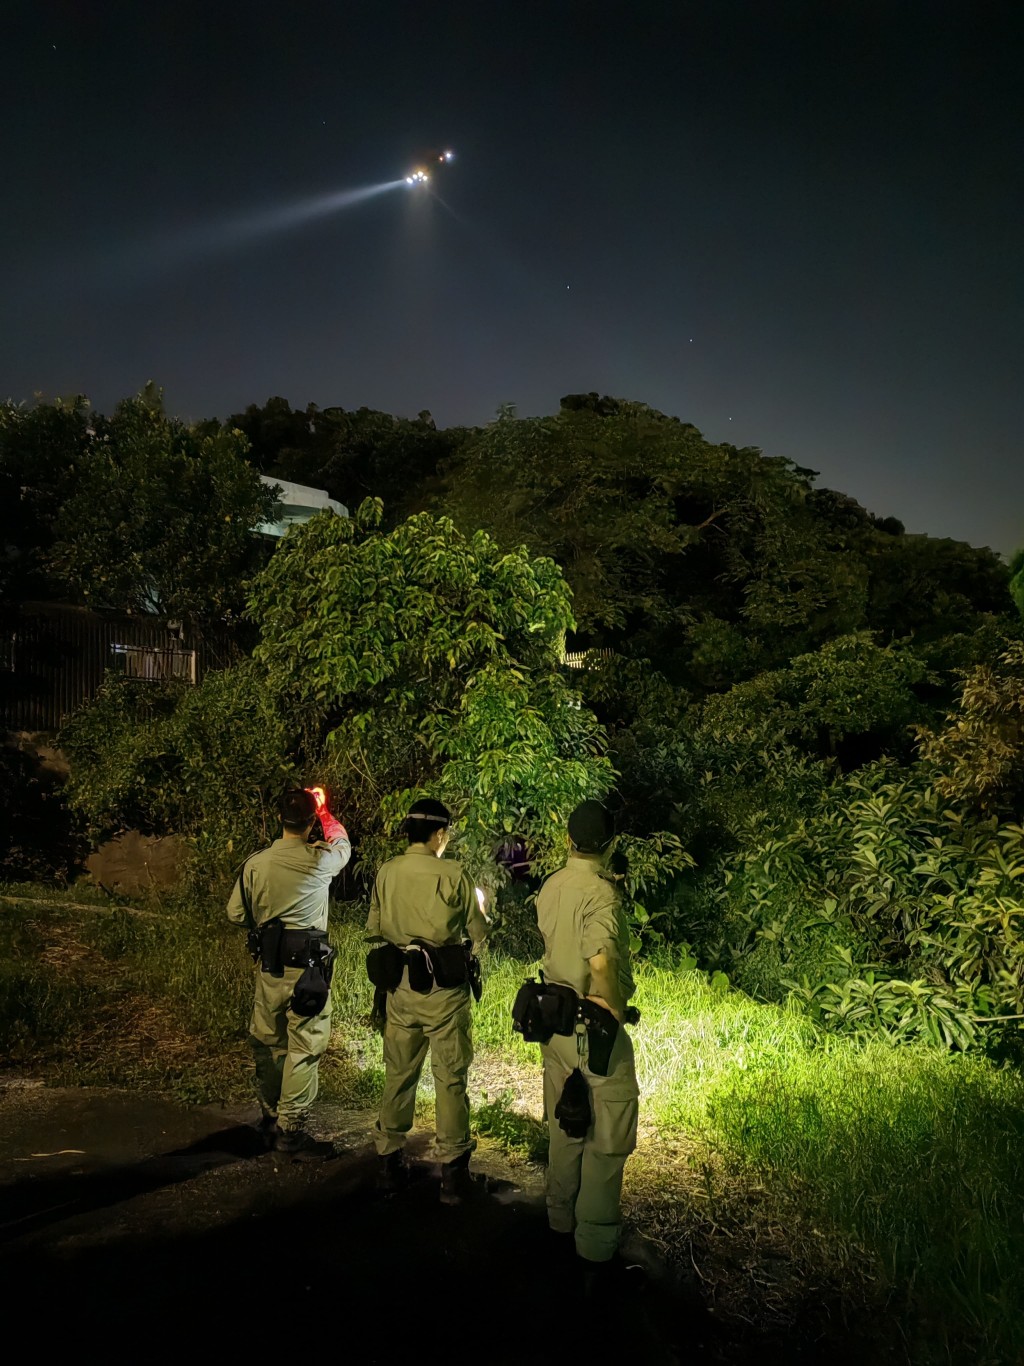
(586, 947)
(281, 895)
(424, 906)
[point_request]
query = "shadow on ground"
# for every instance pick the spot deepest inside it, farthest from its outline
(149, 1229)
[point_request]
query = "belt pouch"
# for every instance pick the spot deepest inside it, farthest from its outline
(421, 973)
(557, 1007)
(384, 966)
(271, 947)
(573, 1109)
(526, 1015)
(449, 962)
(311, 993)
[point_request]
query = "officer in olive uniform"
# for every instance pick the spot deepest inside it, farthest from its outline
(421, 896)
(586, 947)
(289, 883)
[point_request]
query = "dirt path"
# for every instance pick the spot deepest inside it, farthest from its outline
(137, 1220)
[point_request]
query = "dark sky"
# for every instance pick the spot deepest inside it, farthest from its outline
(795, 225)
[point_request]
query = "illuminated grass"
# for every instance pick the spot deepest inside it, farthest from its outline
(909, 1158)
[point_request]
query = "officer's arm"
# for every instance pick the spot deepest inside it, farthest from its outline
(600, 949)
(478, 927)
(605, 988)
(333, 856)
(373, 919)
(237, 913)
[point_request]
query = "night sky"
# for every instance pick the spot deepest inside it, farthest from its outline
(798, 226)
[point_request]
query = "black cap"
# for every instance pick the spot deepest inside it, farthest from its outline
(591, 828)
(296, 808)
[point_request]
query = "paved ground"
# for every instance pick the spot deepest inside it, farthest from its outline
(141, 1226)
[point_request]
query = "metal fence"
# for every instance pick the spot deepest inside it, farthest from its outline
(53, 657)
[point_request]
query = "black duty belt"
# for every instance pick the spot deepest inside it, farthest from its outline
(296, 946)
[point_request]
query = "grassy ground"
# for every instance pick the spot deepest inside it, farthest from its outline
(773, 1159)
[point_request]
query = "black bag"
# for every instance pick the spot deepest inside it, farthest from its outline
(384, 966)
(573, 1108)
(313, 989)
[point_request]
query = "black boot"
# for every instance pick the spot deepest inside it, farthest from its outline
(456, 1182)
(297, 1144)
(268, 1129)
(392, 1173)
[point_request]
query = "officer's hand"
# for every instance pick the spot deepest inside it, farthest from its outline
(319, 796)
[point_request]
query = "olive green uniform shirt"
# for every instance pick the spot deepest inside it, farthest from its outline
(417, 895)
(290, 881)
(580, 914)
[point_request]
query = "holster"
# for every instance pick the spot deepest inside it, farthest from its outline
(271, 940)
(602, 1031)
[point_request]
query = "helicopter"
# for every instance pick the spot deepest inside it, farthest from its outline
(421, 173)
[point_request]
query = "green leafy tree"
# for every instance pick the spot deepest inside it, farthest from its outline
(42, 451)
(423, 660)
(980, 750)
(161, 518)
(665, 538)
(849, 688)
(353, 455)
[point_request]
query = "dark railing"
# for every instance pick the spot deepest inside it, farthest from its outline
(53, 657)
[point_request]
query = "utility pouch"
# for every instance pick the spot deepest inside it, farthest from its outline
(558, 1007)
(384, 966)
(602, 1031)
(450, 965)
(419, 961)
(271, 937)
(542, 1009)
(312, 992)
(526, 1013)
(573, 1109)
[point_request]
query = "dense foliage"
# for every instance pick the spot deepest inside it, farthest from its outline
(821, 710)
(133, 513)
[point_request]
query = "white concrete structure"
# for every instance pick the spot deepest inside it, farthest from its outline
(298, 503)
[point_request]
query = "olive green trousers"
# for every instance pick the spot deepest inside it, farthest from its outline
(287, 1048)
(441, 1021)
(584, 1176)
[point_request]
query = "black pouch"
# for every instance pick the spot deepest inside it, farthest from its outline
(312, 992)
(271, 947)
(602, 1031)
(542, 1009)
(421, 970)
(526, 1014)
(558, 1008)
(449, 962)
(573, 1108)
(384, 966)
